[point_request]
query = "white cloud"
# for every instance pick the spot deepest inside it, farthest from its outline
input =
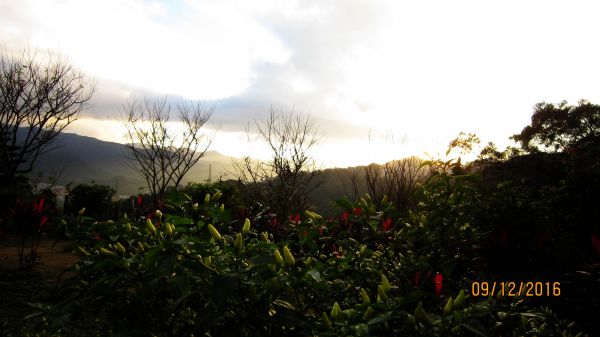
(426, 69)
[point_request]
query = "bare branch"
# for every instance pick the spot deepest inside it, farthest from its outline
(161, 157)
(38, 100)
(284, 181)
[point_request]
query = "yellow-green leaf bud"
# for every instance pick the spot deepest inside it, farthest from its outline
(278, 257)
(207, 198)
(158, 214)
(265, 236)
(326, 320)
(368, 313)
(106, 251)
(246, 226)
(83, 251)
(217, 196)
(448, 307)
(238, 241)
(81, 211)
(128, 227)
(150, 226)
(222, 208)
(140, 246)
(336, 311)
(459, 300)
(381, 295)
(420, 314)
(385, 284)
(288, 257)
(168, 229)
(214, 232)
(365, 297)
(119, 247)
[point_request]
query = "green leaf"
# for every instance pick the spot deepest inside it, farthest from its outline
(261, 260)
(344, 203)
(315, 274)
(150, 258)
(476, 327)
(284, 304)
(178, 220)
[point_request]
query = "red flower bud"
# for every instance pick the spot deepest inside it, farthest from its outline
(439, 278)
(596, 243)
(417, 278)
(387, 224)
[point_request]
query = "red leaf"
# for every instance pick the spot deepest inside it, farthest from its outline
(345, 216)
(139, 200)
(387, 224)
(439, 278)
(417, 278)
(43, 221)
(596, 243)
(41, 205)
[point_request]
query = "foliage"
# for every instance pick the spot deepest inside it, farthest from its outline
(558, 126)
(29, 219)
(97, 200)
(366, 273)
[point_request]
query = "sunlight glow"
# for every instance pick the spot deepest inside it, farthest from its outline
(422, 70)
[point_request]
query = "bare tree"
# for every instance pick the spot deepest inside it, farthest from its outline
(38, 99)
(283, 182)
(397, 179)
(353, 174)
(161, 156)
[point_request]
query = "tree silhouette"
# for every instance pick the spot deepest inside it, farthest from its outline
(38, 99)
(285, 181)
(555, 127)
(161, 156)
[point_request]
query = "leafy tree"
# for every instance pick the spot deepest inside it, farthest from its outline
(555, 127)
(97, 200)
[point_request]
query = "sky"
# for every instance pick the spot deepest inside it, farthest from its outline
(382, 79)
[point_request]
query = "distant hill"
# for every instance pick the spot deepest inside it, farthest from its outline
(79, 159)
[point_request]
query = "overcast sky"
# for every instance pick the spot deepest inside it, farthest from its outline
(369, 71)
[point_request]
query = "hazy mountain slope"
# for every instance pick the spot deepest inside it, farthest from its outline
(79, 159)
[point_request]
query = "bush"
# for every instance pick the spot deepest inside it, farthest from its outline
(96, 199)
(366, 273)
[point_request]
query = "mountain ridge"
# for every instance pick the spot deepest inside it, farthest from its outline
(78, 159)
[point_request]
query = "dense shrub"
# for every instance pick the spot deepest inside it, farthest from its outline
(366, 273)
(97, 200)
